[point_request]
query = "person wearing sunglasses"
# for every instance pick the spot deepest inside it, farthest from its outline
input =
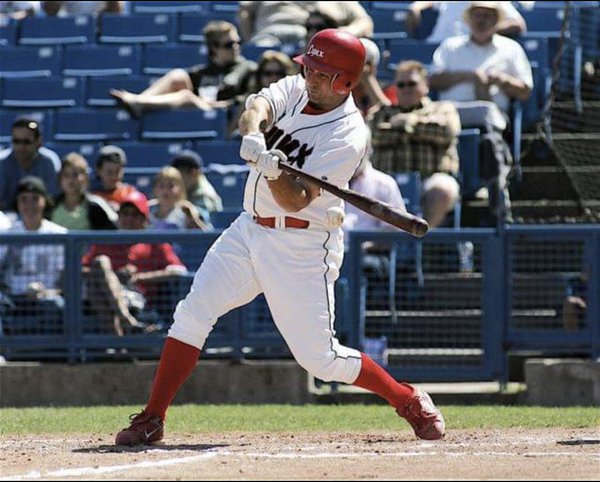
(26, 157)
(207, 86)
(418, 134)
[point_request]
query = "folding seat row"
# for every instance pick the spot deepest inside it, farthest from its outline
(98, 60)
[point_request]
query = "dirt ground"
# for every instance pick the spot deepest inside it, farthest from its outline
(560, 454)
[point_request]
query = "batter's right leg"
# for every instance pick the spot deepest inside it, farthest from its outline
(224, 281)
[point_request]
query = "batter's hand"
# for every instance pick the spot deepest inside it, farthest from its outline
(268, 163)
(335, 217)
(252, 146)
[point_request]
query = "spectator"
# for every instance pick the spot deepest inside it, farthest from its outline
(122, 280)
(368, 93)
(25, 158)
(110, 169)
(272, 66)
(418, 134)
(481, 73)
(171, 208)
(75, 207)
(18, 10)
(274, 23)
(199, 190)
(66, 8)
(31, 274)
(450, 21)
(205, 87)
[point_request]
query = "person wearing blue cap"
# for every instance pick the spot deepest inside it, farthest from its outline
(200, 191)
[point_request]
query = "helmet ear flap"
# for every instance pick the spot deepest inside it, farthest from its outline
(341, 84)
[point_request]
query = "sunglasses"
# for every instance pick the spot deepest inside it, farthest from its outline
(27, 142)
(226, 45)
(402, 85)
(273, 73)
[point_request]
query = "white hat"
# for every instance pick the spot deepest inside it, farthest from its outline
(491, 5)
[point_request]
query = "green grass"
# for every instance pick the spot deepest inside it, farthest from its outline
(276, 418)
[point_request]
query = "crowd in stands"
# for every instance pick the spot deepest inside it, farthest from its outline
(415, 113)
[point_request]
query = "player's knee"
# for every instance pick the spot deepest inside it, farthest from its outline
(328, 369)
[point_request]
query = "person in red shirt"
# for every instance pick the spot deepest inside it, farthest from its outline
(123, 277)
(110, 169)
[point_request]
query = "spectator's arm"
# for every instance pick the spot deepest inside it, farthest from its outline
(112, 7)
(360, 22)
(246, 20)
(170, 272)
(440, 128)
(512, 86)
(413, 17)
(445, 79)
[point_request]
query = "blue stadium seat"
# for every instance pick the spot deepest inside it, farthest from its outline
(223, 219)
(468, 154)
(159, 59)
(87, 150)
(151, 154)
(77, 29)
(410, 187)
(543, 21)
(43, 93)
(93, 60)
(141, 178)
(190, 26)
(537, 50)
(229, 184)
(45, 118)
(253, 51)
(169, 7)
(8, 31)
(81, 125)
(220, 152)
(22, 62)
(389, 20)
(98, 88)
(117, 28)
(184, 124)
(400, 50)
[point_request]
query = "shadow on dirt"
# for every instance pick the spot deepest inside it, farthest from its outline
(583, 441)
(112, 449)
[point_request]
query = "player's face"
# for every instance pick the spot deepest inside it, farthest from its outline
(318, 86)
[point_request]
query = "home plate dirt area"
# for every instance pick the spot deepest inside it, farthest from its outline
(561, 454)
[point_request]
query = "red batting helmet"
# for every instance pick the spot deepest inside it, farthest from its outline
(337, 52)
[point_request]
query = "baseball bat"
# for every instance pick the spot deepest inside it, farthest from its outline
(407, 222)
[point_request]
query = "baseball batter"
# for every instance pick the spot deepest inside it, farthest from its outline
(288, 243)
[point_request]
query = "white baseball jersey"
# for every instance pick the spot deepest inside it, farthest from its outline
(328, 146)
(295, 268)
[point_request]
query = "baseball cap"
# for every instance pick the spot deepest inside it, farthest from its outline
(189, 159)
(32, 184)
(139, 201)
(111, 153)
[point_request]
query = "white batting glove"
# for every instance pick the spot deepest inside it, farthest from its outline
(252, 146)
(335, 217)
(268, 163)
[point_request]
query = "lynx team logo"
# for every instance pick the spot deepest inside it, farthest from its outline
(314, 52)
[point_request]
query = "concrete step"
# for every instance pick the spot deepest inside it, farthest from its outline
(544, 182)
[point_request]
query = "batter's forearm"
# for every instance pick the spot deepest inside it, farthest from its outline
(256, 117)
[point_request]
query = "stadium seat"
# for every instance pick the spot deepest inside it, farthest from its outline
(87, 150)
(184, 124)
(8, 31)
(229, 184)
(151, 154)
(83, 125)
(223, 219)
(190, 26)
(45, 119)
(117, 28)
(43, 93)
(537, 50)
(142, 178)
(169, 7)
(98, 88)
(77, 29)
(543, 21)
(389, 20)
(253, 51)
(23, 62)
(468, 154)
(159, 59)
(220, 152)
(93, 60)
(400, 50)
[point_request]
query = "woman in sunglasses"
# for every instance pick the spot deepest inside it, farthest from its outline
(206, 87)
